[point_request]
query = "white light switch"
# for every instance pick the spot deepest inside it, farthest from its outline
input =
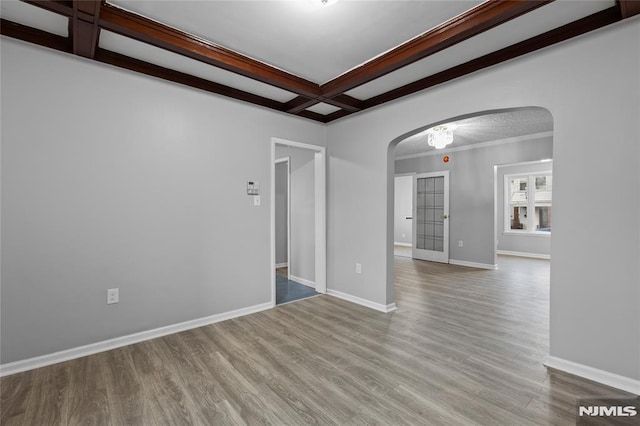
(256, 200)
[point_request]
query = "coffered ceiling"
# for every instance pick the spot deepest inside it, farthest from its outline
(322, 63)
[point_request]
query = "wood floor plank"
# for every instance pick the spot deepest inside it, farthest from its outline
(87, 401)
(465, 347)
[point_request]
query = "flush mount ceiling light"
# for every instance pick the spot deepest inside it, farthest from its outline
(440, 136)
(324, 3)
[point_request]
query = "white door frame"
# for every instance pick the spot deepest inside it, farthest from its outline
(433, 256)
(320, 164)
(288, 161)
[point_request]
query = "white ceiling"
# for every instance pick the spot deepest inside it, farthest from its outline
(485, 128)
(316, 43)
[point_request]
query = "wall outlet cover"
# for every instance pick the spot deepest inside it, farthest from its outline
(113, 296)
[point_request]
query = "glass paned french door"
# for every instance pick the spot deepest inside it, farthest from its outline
(431, 217)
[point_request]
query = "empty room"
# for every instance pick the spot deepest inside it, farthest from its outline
(426, 180)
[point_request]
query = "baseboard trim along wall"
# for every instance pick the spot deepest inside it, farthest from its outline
(363, 302)
(282, 265)
(93, 348)
(302, 281)
(522, 254)
(403, 244)
(472, 264)
(610, 379)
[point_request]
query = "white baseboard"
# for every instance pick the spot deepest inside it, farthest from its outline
(302, 281)
(403, 244)
(522, 254)
(105, 345)
(282, 265)
(363, 302)
(610, 379)
(472, 264)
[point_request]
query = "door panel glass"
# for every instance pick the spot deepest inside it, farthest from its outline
(430, 212)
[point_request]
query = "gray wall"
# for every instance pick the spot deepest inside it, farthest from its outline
(587, 81)
(403, 232)
(471, 191)
(532, 243)
(281, 193)
(302, 262)
(113, 179)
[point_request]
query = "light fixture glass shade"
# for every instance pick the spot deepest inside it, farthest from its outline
(440, 136)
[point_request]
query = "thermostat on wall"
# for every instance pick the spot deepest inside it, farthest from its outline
(253, 188)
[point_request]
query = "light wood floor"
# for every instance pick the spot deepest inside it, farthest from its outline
(466, 346)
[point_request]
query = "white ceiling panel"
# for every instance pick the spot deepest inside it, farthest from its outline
(543, 19)
(316, 43)
(33, 16)
(485, 128)
(323, 108)
(164, 58)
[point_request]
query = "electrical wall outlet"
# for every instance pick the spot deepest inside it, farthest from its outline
(358, 268)
(460, 243)
(113, 296)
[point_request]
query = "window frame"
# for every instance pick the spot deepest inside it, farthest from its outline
(531, 203)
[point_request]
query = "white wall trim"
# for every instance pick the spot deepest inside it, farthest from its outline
(363, 302)
(477, 145)
(523, 254)
(472, 264)
(105, 345)
(302, 281)
(606, 378)
(402, 244)
(282, 265)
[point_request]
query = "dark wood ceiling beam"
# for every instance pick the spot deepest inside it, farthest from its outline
(473, 22)
(336, 115)
(576, 28)
(312, 116)
(342, 101)
(83, 29)
(61, 7)
(35, 36)
(145, 30)
(628, 8)
(300, 103)
(345, 102)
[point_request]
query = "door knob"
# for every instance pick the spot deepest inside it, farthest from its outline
(445, 216)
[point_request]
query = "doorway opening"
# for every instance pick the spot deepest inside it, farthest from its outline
(298, 224)
(485, 145)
